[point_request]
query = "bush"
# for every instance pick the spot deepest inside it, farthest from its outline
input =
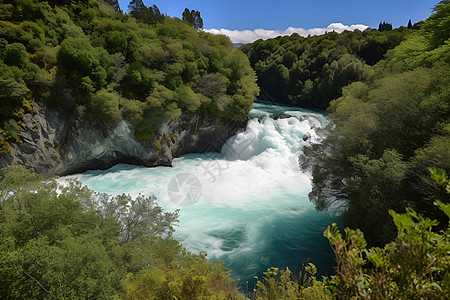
(414, 266)
(65, 241)
(15, 55)
(105, 108)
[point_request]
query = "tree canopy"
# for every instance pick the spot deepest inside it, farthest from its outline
(385, 131)
(65, 241)
(68, 55)
(312, 71)
(385, 26)
(193, 17)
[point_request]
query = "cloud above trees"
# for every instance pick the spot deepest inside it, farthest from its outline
(249, 36)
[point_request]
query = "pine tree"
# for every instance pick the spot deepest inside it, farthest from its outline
(410, 24)
(385, 26)
(193, 17)
(187, 16)
(198, 21)
(155, 15)
(137, 9)
(142, 13)
(114, 4)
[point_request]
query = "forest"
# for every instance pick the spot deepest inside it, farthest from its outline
(89, 58)
(382, 162)
(311, 71)
(386, 131)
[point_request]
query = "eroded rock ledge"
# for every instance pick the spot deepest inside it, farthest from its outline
(53, 143)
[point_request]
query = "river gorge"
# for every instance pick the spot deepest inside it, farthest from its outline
(247, 206)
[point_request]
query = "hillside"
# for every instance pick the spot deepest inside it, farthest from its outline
(311, 71)
(84, 66)
(385, 132)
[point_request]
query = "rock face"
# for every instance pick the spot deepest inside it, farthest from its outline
(54, 143)
(306, 136)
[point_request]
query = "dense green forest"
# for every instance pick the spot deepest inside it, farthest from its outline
(311, 71)
(385, 131)
(89, 59)
(388, 94)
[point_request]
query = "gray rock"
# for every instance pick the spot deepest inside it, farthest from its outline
(284, 116)
(53, 143)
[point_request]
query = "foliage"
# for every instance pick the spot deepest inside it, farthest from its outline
(193, 17)
(66, 54)
(193, 279)
(384, 131)
(414, 266)
(114, 4)
(437, 24)
(105, 106)
(281, 284)
(15, 55)
(385, 26)
(311, 71)
(65, 241)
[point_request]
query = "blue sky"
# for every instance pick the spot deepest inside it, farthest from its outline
(278, 15)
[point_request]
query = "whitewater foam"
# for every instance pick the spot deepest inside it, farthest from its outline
(253, 211)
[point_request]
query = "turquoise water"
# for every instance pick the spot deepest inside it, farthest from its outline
(246, 206)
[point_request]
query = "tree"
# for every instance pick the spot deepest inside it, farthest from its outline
(63, 241)
(410, 26)
(383, 131)
(436, 26)
(414, 266)
(137, 8)
(67, 242)
(114, 4)
(384, 26)
(154, 15)
(193, 17)
(15, 55)
(187, 16)
(105, 108)
(198, 21)
(149, 15)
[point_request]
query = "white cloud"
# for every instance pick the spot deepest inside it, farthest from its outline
(249, 36)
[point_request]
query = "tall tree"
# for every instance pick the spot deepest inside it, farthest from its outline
(438, 23)
(155, 15)
(198, 21)
(193, 17)
(113, 3)
(385, 26)
(410, 24)
(186, 16)
(137, 9)
(150, 15)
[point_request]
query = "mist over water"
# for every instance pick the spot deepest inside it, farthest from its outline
(248, 205)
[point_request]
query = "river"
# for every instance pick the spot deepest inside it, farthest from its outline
(246, 206)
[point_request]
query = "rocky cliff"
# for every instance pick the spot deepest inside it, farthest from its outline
(55, 143)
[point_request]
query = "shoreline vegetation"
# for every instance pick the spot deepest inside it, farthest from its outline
(387, 93)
